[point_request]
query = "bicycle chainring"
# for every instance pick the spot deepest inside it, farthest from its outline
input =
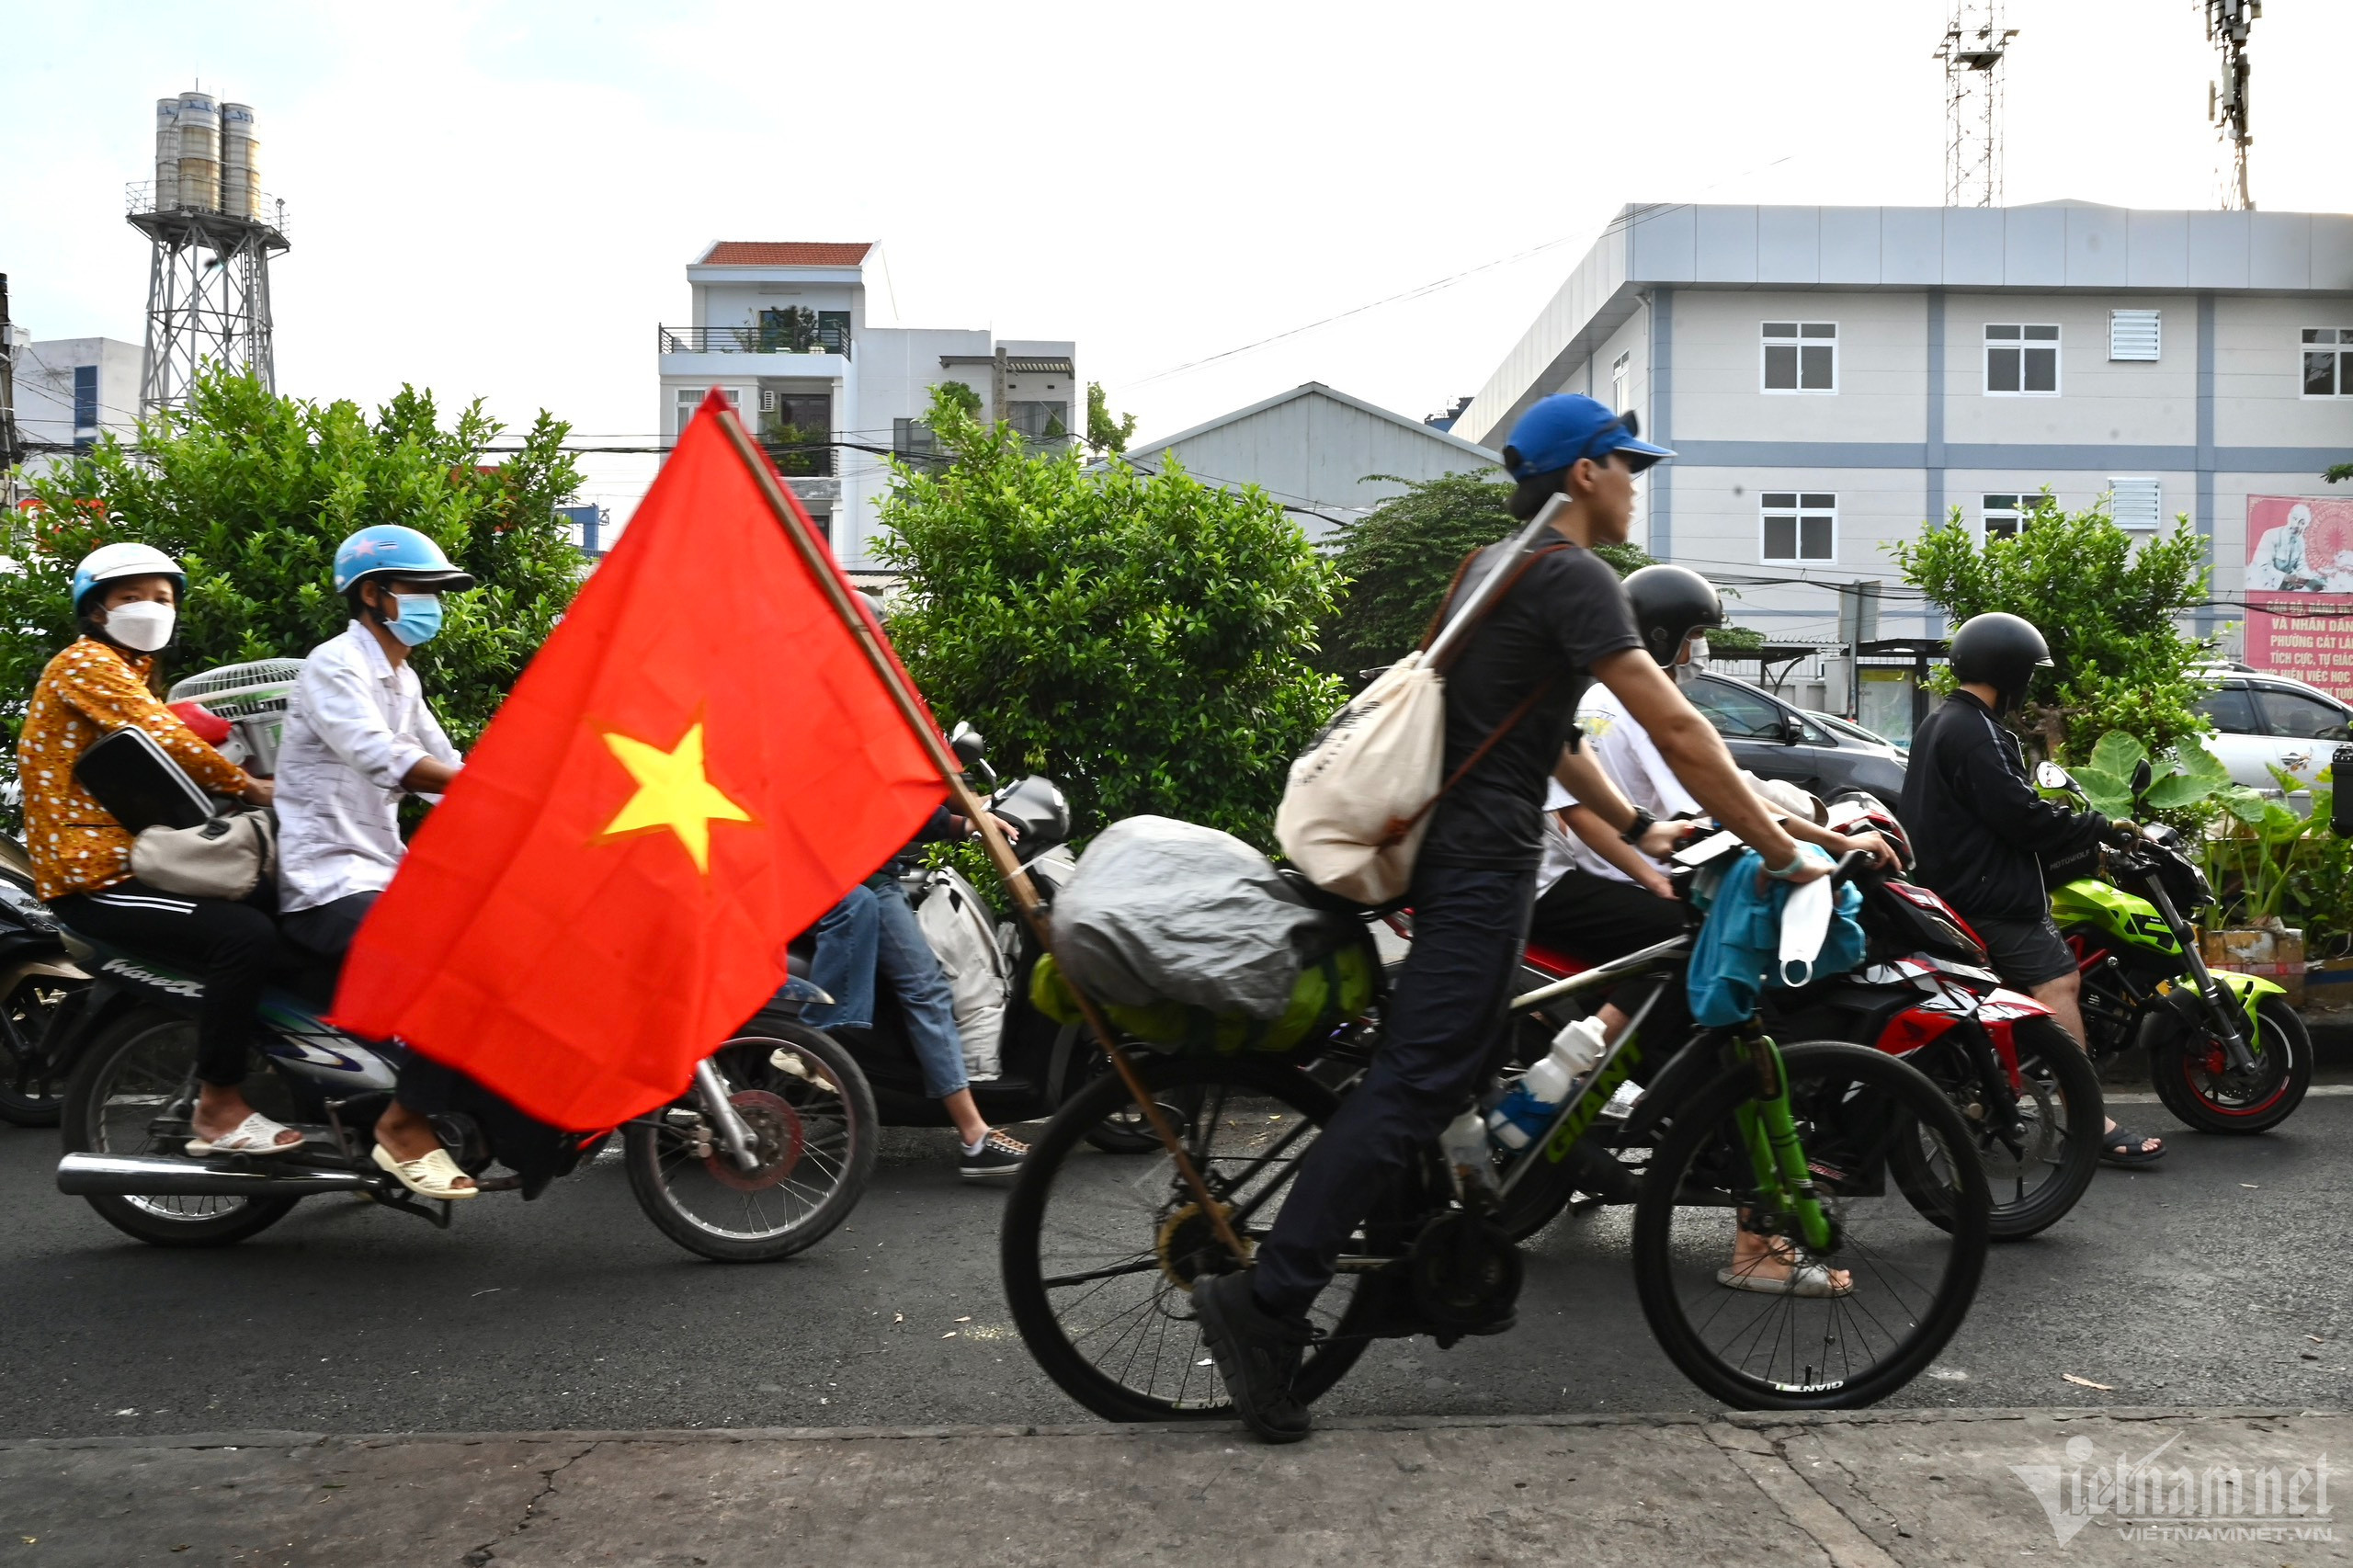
(1464, 1272)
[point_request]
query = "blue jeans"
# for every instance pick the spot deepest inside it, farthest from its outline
(873, 929)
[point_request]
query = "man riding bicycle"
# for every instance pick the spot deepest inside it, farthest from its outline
(1562, 624)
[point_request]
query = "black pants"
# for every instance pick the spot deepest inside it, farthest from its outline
(1599, 918)
(1442, 1041)
(231, 946)
(325, 932)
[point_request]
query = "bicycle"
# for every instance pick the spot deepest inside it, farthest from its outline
(1794, 1145)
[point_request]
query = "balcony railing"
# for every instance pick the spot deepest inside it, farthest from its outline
(759, 339)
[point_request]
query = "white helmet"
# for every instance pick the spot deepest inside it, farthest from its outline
(110, 563)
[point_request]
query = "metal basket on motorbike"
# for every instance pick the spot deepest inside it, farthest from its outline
(254, 699)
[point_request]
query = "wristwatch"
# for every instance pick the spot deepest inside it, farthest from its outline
(1644, 822)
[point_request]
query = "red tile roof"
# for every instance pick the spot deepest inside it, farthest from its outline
(786, 253)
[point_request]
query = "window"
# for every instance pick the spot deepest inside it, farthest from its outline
(2136, 503)
(690, 399)
(2021, 361)
(1621, 373)
(1737, 713)
(2229, 712)
(85, 401)
(1801, 526)
(1040, 421)
(1802, 356)
(2001, 517)
(2132, 335)
(2329, 361)
(2292, 715)
(912, 439)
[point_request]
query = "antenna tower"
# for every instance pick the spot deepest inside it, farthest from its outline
(1975, 43)
(213, 232)
(2227, 24)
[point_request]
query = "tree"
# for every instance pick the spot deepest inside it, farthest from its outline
(251, 493)
(1398, 558)
(1140, 638)
(2106, 606)
(1105, 437)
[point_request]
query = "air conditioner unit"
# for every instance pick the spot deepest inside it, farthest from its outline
(767, 401)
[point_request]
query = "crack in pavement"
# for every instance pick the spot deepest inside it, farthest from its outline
(1764, 1460)
(483, 1555)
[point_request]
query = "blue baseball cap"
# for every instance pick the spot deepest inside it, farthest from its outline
(1564, 428)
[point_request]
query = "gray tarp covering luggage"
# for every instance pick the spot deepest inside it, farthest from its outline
(1161, 910)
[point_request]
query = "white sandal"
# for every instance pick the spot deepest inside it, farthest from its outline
(1809, 1280)
(433, 1175)
(255, 1135)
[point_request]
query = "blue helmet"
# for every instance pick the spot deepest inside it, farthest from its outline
(387, 549)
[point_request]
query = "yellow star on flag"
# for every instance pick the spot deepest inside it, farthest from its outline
(673, 791)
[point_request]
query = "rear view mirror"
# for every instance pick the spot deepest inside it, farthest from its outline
(966, 744)
(2050, 775)
(2141, 774)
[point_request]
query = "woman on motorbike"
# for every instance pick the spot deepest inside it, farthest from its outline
(126, 600)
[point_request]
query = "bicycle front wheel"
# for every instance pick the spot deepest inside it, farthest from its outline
(1872, 1309)
(1099, 1251)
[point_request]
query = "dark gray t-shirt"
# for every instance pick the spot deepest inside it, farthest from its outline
(1567, 611)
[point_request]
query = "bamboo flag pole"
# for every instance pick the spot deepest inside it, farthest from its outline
(969, 806)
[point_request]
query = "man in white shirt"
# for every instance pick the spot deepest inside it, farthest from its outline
(357, 737)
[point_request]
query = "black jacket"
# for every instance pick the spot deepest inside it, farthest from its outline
(1980, 831)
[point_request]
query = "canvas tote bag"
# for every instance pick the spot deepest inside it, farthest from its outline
(1357, 804)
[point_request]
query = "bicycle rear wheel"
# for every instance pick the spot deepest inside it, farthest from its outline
(1099, 1251)
(1910, 1280)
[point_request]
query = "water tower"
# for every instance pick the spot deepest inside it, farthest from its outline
(213, 233)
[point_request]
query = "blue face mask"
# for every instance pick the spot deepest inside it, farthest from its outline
(419, 620)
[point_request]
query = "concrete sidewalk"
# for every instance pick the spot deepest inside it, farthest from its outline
(1864, 1491)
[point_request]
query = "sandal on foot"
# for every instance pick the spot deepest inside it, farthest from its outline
(255, 1135)
(433, 1176)
(1809, 1279)
(2124, 1148)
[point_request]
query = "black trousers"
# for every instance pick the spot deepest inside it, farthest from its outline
(232, 945)
(1600, 918)
(1443, 1042)
(325, 932)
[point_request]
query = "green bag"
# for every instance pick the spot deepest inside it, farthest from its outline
(1334, 988)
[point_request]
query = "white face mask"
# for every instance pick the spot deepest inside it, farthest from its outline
(1689, 670)
(142, 625)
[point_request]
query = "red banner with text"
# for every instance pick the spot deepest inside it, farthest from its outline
(2300, 589)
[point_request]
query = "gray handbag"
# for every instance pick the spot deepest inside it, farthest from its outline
(226, 858)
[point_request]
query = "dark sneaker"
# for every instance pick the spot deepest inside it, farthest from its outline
(999, 1156)
(1257, 1354)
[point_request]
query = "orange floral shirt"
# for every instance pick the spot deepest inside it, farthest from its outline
(88, 692)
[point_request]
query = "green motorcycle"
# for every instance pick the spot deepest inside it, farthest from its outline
(2226, 1051)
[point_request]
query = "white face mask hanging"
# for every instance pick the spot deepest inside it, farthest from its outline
(142, 625)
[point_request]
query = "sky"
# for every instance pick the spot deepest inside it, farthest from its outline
(498, 201)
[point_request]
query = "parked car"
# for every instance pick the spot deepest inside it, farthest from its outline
(1838, 726)
(2263, 720)
(1774, 740)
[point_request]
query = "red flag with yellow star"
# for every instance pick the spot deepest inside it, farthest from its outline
(699, 762)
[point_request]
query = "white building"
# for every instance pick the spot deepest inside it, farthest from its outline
(783, 328)
(69, 391)
(1834, 376)
(1316, 449)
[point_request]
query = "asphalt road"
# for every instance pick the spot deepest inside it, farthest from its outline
(2223, 1277)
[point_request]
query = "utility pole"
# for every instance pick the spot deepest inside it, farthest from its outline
(2228, 22)
(12, 449)
(1974, 45)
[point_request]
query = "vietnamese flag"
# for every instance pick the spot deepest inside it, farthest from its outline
(699, 763)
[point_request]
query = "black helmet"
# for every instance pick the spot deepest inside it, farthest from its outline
(1670, 603)
(2000, 651)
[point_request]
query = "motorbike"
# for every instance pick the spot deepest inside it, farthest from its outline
(2227, 1053)
(768, 1150)
(1040, 1063)
(1922, 994)
(37, 977)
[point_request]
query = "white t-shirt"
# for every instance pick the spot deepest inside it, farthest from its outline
(1625, 752)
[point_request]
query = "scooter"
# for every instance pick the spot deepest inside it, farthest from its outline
(2226, 1051)
(1040, 1063)
(768, 1149)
